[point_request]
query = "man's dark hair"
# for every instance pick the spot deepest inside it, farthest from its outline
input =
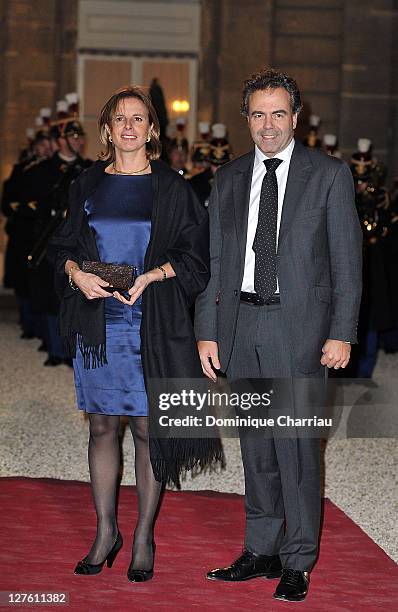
(270, 79)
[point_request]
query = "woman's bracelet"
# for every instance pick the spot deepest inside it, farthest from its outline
(71, 283)
(164, 273)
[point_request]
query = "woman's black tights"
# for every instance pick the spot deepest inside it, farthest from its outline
(148, 492)
(104, 461)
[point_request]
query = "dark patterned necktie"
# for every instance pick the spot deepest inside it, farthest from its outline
(264, 244)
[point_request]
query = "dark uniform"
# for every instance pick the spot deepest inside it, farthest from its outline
(177, 155)
(388, 339)
(201, 149)
(202, 183)
(218, 154)
(312, 140)
(21, 212)
(49, 183)
(373, 206)
(10, 205)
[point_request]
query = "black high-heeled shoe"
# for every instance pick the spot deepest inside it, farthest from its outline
(88, 569)
(139, 575)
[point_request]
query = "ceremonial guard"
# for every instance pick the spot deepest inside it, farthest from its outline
(312, 139)
(62, 109)
(178, 149)
(49, 184)
(72, 100)
(219, 143)
(201, 149)
(180, 139)
(330, 145)
(389, 338)
(27, 153)
(219, 153)
(45, 114)
(21, 213)
(374, 212)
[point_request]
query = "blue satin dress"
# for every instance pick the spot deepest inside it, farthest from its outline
(119, 212)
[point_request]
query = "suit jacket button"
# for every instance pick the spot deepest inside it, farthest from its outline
(235, 292)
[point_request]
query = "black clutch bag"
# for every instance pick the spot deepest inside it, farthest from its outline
(120, 277)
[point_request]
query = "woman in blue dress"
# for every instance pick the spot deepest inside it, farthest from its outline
(118, 202)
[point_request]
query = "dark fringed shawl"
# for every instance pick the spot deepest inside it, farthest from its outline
(179, 234)
(171, 457)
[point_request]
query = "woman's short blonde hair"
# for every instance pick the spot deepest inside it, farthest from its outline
(153, 147)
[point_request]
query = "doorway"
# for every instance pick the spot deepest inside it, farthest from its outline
(100, 75)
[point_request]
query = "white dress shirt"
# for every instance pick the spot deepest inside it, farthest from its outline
(259, 171)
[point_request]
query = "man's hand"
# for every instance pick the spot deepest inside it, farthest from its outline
(208, 350)
(336, 354)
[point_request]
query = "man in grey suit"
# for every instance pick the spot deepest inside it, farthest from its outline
(282, 301)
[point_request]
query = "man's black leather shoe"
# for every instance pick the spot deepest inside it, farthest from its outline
(247, 566)
(293, 585)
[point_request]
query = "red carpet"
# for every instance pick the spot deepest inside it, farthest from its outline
(48, 525)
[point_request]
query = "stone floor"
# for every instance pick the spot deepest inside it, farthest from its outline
(43, 435)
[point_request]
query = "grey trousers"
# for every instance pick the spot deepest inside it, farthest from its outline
(282, 472)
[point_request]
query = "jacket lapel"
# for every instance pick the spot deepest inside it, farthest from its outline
(241, 197)
(299, 173)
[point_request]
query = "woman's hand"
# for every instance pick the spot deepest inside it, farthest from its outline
(141, 283)
(90, 285)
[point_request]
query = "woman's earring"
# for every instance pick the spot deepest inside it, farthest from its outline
(149, 137)
(110, 138)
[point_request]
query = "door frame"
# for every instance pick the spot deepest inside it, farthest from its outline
(136, 73)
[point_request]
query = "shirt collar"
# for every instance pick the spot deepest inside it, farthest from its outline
(284, 155)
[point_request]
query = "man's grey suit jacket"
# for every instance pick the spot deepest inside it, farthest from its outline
(319, 256)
